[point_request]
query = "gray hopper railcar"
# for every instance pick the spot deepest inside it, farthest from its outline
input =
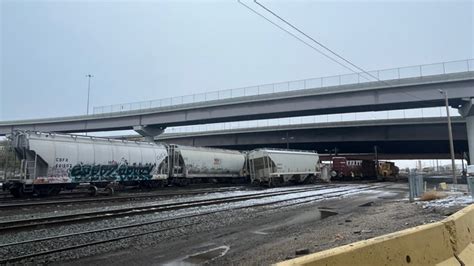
(201, 164)
(53, 162)
(272, 167)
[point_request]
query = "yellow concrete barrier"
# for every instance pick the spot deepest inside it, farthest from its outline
(461, 228)
(448, 242)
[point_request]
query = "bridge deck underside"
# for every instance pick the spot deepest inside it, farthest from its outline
(427, 139)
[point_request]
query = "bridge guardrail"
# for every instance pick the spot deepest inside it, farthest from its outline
(384, 75)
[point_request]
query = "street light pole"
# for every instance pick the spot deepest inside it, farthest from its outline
(89, 76)
(450, 132)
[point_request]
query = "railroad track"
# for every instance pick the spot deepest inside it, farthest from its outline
(8, 197)
(130, 211)
(53, 202)
(16, 258)
(71, 195)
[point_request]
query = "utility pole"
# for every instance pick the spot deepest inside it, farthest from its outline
(450, 132)
(287, 138)
(89, 76)
(376, 155)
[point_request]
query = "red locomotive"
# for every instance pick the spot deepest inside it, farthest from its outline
(343, 168)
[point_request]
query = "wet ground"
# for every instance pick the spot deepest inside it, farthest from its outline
(274, 235)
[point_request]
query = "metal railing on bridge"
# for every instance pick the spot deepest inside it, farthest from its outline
(312, 83)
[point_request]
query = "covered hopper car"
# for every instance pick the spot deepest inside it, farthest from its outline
(274, 167)
(201, 164)
(53, 162)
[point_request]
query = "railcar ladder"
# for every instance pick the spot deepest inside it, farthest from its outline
(28, 172)
(29, 168)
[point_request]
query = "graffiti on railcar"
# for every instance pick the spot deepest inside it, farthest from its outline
(111, 172)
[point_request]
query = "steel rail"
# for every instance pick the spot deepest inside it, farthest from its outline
(50, 251)
(98, 215)
(34, 203)
(66, 195)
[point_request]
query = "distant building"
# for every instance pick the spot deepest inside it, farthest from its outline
(3, 146)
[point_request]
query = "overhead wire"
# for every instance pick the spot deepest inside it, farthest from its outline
(296, 37)
(317, 42)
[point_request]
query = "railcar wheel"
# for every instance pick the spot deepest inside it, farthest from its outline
(93, 191)
(270, 183)
(17, 192)
(110, 191)
(55, 191)
(310, 180)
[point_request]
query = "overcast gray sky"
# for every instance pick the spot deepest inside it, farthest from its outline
(141, 50)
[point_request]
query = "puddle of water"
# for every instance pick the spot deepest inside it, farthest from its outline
(368, 204)
(325, 213)
(389, 195)
(299, 219)
(201, 257)
(309, 216)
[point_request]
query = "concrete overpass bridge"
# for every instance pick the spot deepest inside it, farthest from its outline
(370, 96)
(415, 138)
(393, 94)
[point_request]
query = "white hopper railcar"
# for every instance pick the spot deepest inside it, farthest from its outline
(51, 162)
(273, 167)
(194, 164)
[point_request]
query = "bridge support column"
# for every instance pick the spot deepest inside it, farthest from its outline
(467, 111)
(149, 132)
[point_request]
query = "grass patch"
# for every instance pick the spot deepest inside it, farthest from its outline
(432, 195)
